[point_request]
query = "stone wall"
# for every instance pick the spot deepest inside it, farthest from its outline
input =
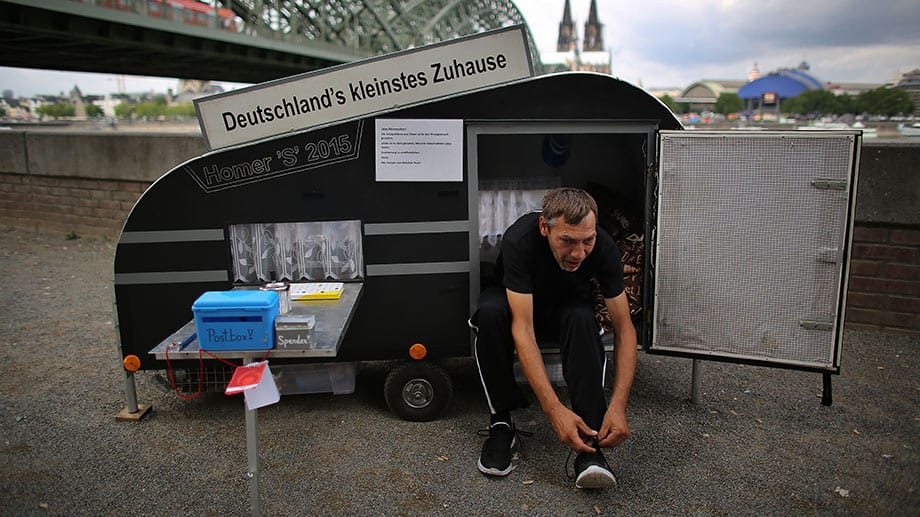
(85, 184)
(884, 288)
(71, 206)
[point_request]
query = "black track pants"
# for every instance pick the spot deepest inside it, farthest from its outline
(572, 326)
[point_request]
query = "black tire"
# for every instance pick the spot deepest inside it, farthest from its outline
(418, 392)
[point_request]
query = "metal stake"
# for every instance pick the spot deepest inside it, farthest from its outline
(132, 412)
(696, 388)
(252, 453)
(130, 392)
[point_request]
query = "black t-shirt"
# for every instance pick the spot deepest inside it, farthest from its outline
(526, 265)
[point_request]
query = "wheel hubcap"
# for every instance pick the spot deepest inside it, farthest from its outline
(418, 393)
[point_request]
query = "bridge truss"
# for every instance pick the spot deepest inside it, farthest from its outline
(232, 40)
(376, 26)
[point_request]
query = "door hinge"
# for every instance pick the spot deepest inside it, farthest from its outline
(828, 184)
(828, 255)
(817, 325)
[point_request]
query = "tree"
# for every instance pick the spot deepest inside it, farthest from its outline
(728, 103)
(2, 111)
(885, 101)
(56, 110)
(669, 102)
(94, 111)
(150, 109)
(185, 109)
(820, 102)
(65, 109)
(792, 105)
(811, 101)
(845, 104)
(124, 110)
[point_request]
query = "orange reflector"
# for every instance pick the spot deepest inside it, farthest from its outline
(132, 363)
(418, 351)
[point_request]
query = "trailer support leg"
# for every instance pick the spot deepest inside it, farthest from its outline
(827, 397)
(252, 454)
(696, 383)
(132, 412)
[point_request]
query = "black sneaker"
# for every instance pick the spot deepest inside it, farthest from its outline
(592, 470)
(495, 459)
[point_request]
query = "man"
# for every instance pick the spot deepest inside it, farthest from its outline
(546, 267)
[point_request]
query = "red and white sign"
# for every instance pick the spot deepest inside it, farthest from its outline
(256, 383)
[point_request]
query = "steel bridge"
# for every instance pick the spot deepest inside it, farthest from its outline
(246, 41)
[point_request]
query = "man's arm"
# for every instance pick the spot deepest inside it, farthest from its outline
(615, 429)
(569, 427)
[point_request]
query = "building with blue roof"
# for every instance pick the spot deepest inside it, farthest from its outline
(757, 91)
(772, 88)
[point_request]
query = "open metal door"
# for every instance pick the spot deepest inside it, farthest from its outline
(752, 246)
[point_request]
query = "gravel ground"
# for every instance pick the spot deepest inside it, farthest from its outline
(761, 442)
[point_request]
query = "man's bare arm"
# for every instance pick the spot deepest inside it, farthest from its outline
(615, 428)
(569, 427)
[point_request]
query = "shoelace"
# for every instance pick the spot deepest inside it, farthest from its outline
(518, 433)
(574, 474)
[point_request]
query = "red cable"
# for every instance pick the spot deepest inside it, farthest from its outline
(172, 377)
(221, 359)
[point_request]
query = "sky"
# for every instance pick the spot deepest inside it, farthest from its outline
(669, 43)
(673, 43)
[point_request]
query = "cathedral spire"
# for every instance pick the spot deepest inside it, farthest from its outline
(566, 41)
(584, 53)
(594, 39)
(592, 13)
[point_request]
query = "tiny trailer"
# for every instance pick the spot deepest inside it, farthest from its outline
(739, 240)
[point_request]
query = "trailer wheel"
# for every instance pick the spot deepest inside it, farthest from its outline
(418, 392)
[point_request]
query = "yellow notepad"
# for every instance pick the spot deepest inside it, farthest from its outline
(317, 291)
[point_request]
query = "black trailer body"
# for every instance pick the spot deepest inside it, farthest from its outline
(417, 236)
(426, 247)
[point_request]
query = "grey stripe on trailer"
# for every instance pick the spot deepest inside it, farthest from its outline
(417, 268)
(171, 277)
(147, 237)
(418, 227)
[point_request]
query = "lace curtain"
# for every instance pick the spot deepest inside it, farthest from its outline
(499, 208)
(328, 250)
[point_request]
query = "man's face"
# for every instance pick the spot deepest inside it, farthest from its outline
(570, 243)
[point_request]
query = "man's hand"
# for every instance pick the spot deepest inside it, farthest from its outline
(571, 429)
(615, 429)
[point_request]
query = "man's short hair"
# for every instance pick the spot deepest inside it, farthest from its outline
(571, 204)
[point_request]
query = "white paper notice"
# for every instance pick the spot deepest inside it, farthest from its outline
(419, 150)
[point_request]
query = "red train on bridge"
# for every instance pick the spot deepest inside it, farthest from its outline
(191, 12)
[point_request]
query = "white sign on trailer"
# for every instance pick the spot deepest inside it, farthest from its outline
(362, 88)
(419, 150)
